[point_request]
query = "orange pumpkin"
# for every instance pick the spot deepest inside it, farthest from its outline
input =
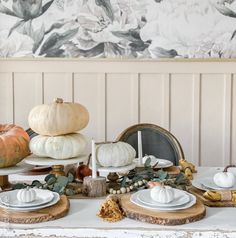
(14, 145)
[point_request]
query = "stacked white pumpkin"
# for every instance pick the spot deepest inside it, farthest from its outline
(57, 125)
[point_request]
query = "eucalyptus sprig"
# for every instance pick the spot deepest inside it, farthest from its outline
(150, 173)
(58, 184)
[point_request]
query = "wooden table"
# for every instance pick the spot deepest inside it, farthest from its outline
(83, 222)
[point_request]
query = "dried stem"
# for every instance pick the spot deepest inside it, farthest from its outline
(229, 166)
(58, 100)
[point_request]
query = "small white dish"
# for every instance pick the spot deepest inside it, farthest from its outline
(162, 163)
(56, 198)
(9, 198)
(180, 198)
(210, 184)
(134, 199)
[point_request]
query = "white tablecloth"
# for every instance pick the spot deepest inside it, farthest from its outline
(83, 222)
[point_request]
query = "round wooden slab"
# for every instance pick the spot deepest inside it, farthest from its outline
(192, 214)
(46, 214)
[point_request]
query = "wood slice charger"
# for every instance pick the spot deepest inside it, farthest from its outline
(192, 214)
(54, 212)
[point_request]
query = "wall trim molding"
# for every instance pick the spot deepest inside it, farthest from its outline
(115, 66)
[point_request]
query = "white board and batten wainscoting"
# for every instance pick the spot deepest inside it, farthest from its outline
(195, 100)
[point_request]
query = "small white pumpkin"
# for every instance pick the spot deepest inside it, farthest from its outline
(224, 179)
(115, 154)
(162, 194)
(58, 147)
(58, 118)
(152, 157)
(26, 195)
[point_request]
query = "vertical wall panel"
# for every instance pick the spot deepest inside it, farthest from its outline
(227, 119)
(196, 109)
(166, 101)
(6, 98)
(89, 90)
(181, 107)
(58, 85)
(233, 132)
(122, 103)
(28, 93)
(212, 120)
(152, 99)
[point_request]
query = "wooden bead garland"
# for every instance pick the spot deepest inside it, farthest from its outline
(129, 188)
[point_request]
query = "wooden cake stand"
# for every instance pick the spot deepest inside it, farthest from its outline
(57, 165)
(18, 168)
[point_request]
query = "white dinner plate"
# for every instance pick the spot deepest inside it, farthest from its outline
(196, 183)
(134, 199)
(162, 163)
(180, 198)
(9, 198)
(210, 184)
(28, 209)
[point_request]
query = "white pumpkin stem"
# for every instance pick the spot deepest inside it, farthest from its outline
(162, 184)
(58, 100)
(229, 166)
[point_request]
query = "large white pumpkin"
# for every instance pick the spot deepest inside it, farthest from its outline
(115, 154)
(58, 147)
(58, 118)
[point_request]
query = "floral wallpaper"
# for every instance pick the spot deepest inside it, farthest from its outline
(118, 28)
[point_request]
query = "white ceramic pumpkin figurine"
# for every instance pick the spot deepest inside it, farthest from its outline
(58, 118)
(162, 194)
(152, 157)
(58, 147)
(225, 179)
(115, 154)
(26, 195)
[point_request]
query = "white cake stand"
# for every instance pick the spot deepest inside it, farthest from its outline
(18, 168)
(112, 173)
(122, 169)
(56, 164)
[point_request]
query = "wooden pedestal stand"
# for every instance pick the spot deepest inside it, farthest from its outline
(4, 172)
(95, 187)
(57, 165)
(113, 180)
(4, 182)
(57, 170)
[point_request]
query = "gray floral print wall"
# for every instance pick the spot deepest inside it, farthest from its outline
(118, 28)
